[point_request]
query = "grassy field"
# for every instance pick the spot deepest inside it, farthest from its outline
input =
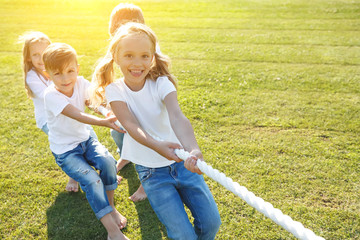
(272, 88)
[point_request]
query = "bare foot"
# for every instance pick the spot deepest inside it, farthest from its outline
(72, 185)
(139, 195)
(121, 163)
(120, 220)
(119, 179)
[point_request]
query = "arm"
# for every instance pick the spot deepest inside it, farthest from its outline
(74, 113)
(184, 131)
(132, 126)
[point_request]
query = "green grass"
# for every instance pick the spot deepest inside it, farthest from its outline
(271, 87)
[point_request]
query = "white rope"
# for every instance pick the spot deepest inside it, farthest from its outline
(266, 208)
(258, 203)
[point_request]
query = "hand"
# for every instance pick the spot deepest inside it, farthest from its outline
(166, 149)
(110, 122)
(190, 163)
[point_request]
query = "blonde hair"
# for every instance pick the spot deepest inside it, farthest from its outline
(57, 56)
(104, 71)
(123, 13)
(27, 39)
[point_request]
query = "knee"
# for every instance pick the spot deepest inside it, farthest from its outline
(210, 226)
(213, 224)
(91, 182)
(109, 165)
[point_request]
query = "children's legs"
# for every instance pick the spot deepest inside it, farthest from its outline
(160, 187)
(197, 197)
(112, 228)
(119, 219)
(99, 157)
(72, 185)
(102, 160)
(75, 165)
(139, 195)
(118, 139)
(121, 163)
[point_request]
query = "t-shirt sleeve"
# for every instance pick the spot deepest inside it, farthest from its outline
(114, 92)
(55, 103)
(165, 86)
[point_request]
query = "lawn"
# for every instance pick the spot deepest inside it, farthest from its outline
(272, 88)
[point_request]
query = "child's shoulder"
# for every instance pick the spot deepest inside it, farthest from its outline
(49, 91)
(163, 81)
(118, 83)
(31, 74)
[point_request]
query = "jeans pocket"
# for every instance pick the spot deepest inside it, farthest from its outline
(59, 158)
(144, 173)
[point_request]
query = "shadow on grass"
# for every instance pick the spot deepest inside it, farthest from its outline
(71, 217)
(150, 226)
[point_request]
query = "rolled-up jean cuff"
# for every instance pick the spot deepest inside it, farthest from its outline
(111, 187)
(103, 212)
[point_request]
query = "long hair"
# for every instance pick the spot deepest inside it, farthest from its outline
(27, 39)
(104, 71)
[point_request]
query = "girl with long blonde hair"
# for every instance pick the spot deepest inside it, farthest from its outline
(145, 102)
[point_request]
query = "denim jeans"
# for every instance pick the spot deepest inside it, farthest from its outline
(45, 129)
(118, 139)
(168, 189)
(77, 163)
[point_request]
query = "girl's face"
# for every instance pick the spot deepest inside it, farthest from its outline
(135, 59)
(36, 51)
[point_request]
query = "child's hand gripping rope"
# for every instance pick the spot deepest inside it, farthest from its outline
(106, 113)
(266, 208)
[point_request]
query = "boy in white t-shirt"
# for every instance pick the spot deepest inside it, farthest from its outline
(75, 151)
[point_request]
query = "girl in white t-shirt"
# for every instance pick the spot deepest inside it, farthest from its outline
(36, 82)
(145, 102)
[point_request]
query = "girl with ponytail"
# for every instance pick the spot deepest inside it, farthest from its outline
(144, 100)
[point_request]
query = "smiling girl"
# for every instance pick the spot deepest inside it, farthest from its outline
(145, 102)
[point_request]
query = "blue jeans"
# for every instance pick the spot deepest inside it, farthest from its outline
(45, 129)
(168, 189)
(77, 163)
(118, 139)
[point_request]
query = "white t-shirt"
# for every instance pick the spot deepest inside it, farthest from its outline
(66, 133)
(38, 84)
(148, 106)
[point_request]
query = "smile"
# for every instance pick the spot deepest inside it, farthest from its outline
(136, 73)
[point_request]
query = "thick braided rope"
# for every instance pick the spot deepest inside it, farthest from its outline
(266, 208)
(258, 203)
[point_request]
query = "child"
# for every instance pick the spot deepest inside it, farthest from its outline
(121, 14)
(145, 102)
(36, 81)
(74, 149)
